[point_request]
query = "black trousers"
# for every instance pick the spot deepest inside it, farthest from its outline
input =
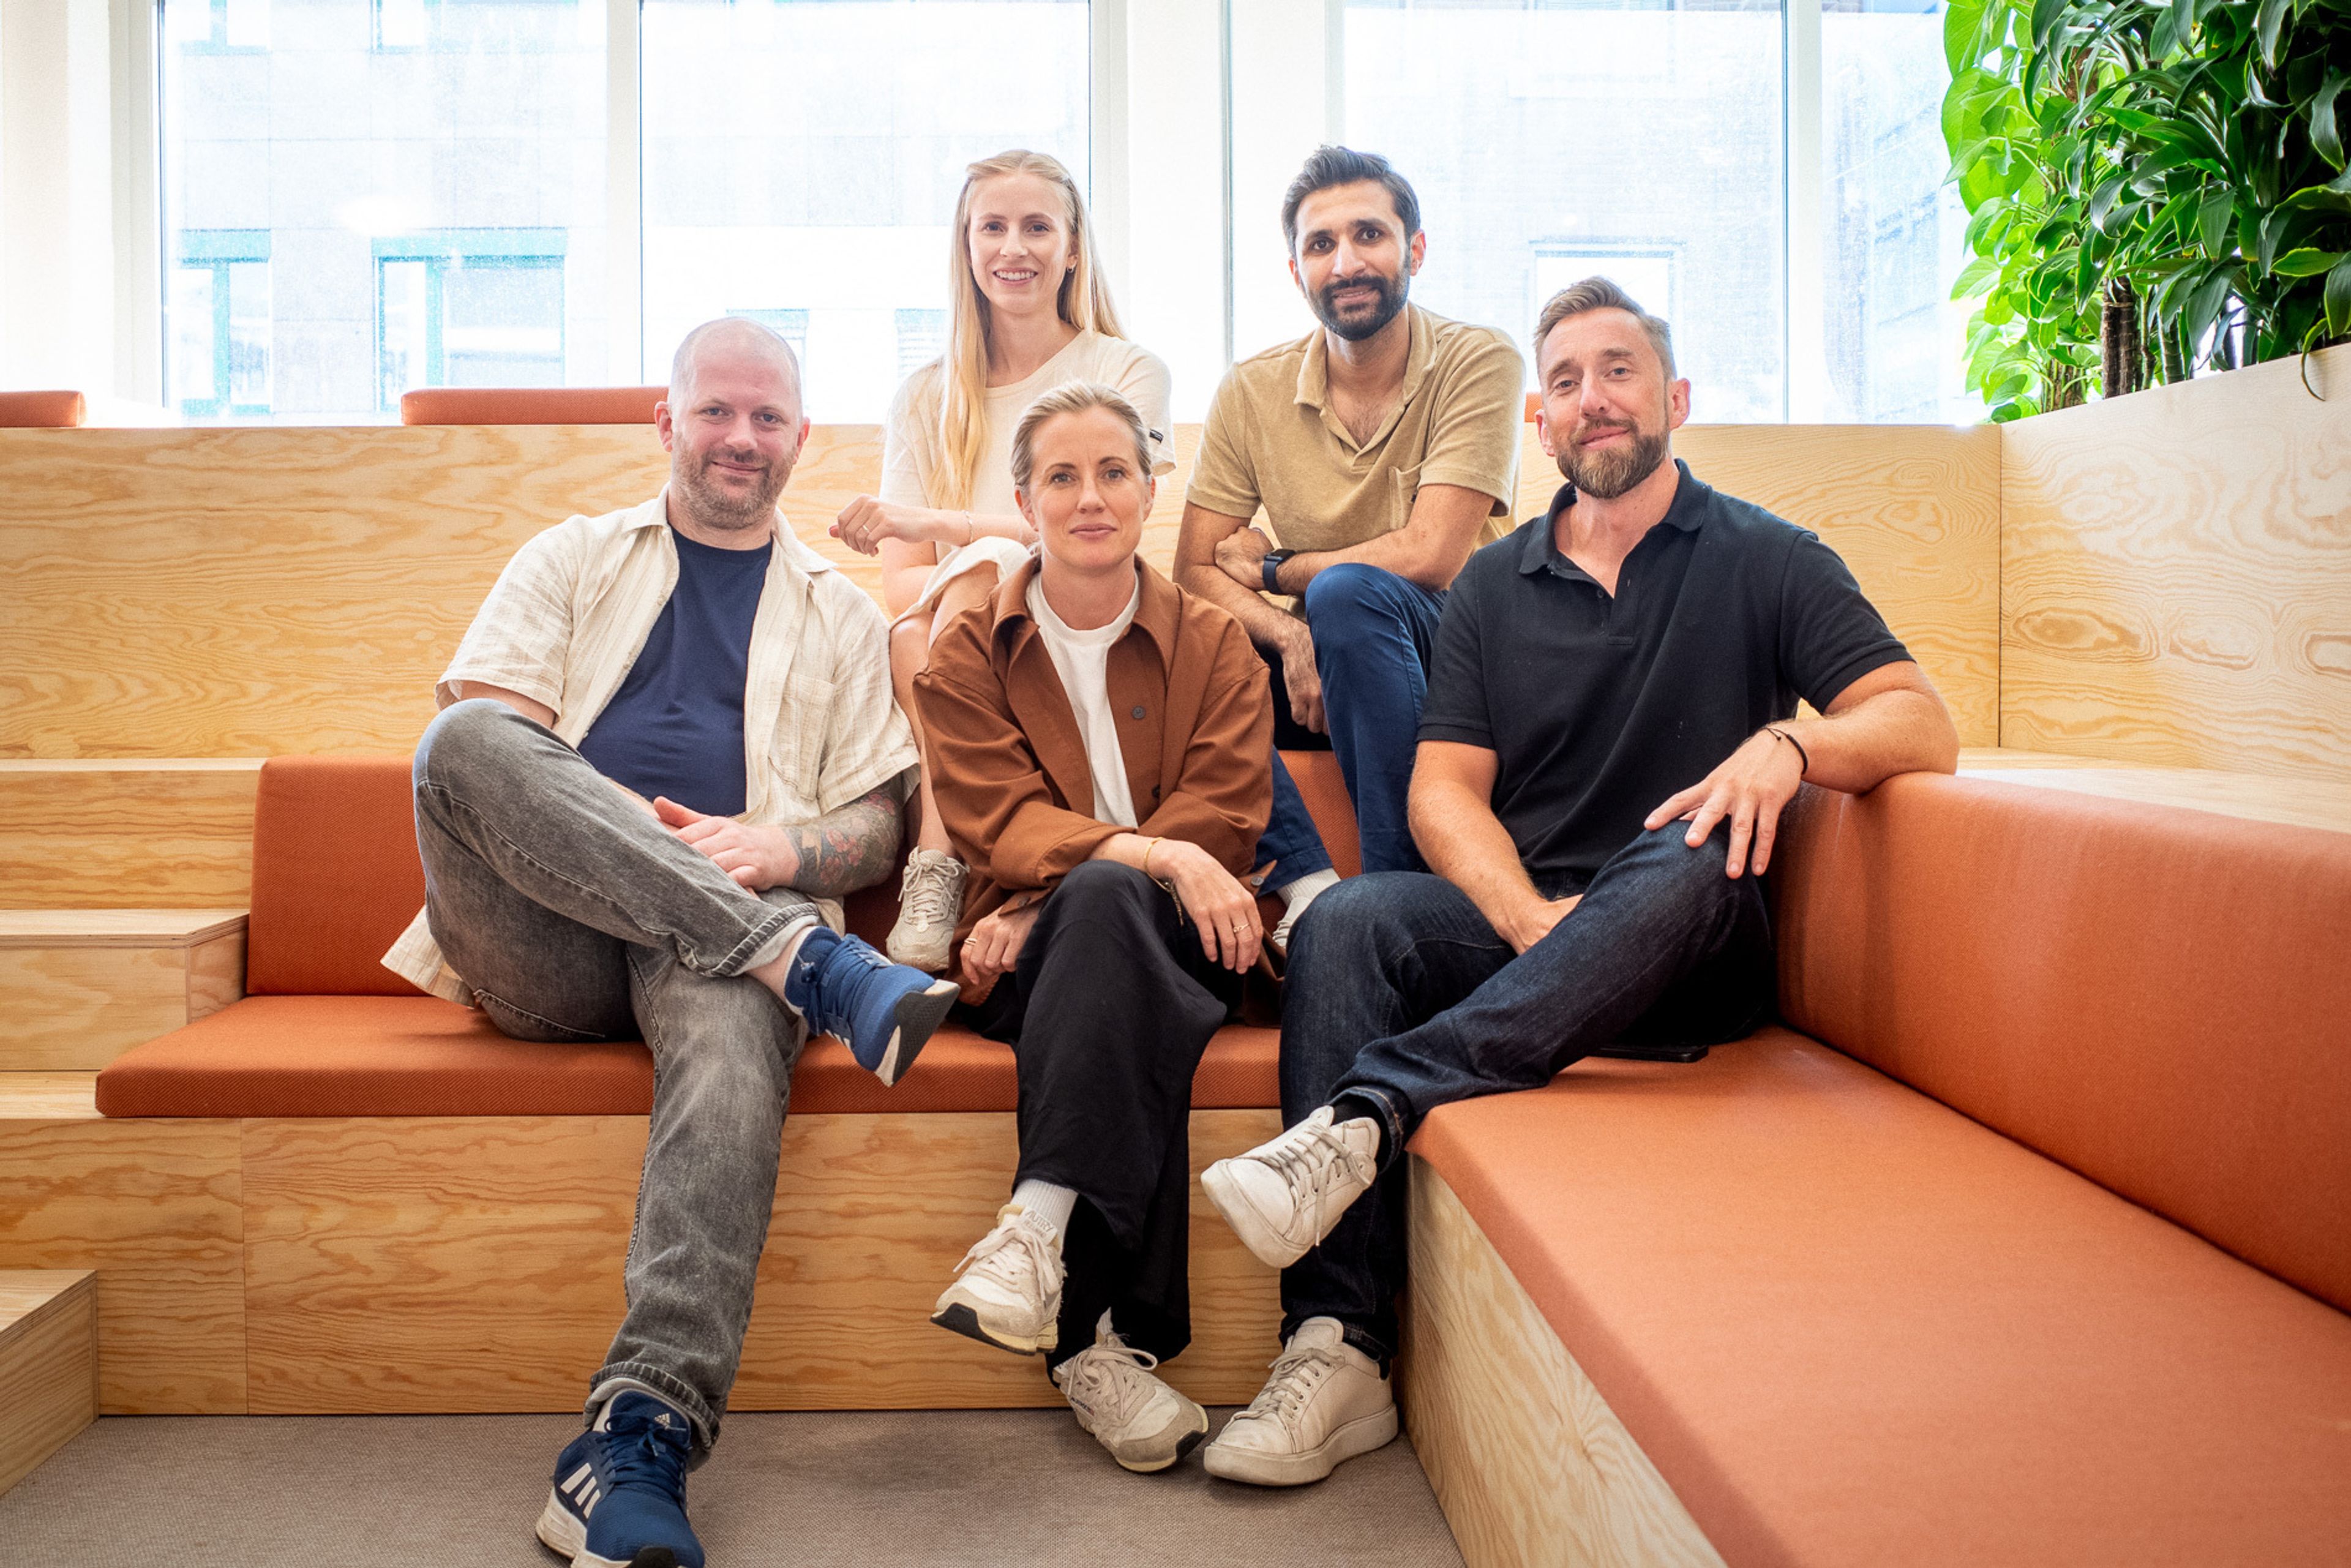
(1107, 1014)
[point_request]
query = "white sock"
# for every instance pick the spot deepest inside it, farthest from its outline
(1051, 1204)
(1306, 889)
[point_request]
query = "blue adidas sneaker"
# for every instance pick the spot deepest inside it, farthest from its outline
(619, 1496)
(884, 1012)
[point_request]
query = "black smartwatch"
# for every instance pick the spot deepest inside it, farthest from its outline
(1270, 564)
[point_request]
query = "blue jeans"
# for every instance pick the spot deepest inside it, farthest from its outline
(576, 917)
(1401, 998)
(1373, 632)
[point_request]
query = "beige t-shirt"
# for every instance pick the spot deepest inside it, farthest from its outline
(912, 465)
(1273, 440)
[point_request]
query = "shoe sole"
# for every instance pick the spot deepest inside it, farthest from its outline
(960, 1318)
(1184, 1447)
(917, 1018)
(1264, 1245)
(1357, 1438)
(558, 1530)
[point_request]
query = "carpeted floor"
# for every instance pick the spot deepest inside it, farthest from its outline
(1009, 1487)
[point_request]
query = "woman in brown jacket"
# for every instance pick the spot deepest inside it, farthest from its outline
(1099, 739)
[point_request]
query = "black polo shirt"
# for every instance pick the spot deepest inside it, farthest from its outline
(1600, 707)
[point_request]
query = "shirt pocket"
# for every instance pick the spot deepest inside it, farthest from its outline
(1403, 483)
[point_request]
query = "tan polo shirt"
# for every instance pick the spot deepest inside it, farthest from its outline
(1273, 440)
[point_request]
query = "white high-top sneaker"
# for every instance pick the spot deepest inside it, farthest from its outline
(1007, 1289)
(1283, 1196)
(930, 901)
(1146, 1425)
(1326, 1403)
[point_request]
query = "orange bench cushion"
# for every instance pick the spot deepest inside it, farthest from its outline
(530, 405)
(1851, 1326)
(2156, 997)
(418, 1056)
(42, 410)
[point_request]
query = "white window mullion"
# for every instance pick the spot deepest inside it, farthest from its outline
(1807, 328)
(1109, 155)
(624, 206)
(137, 237)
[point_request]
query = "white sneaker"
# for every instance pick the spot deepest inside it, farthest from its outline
(1326, 1403)
(1295, 899)
(1282, 1197)
(1146, 1425)
(930, 900)
(1007, 1289)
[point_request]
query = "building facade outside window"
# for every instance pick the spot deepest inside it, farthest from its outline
(479, 309)
(218, 356)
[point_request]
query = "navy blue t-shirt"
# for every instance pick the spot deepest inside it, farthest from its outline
(675, 727)
(1597, 707)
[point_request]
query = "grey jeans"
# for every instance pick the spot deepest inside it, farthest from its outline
(576, 916)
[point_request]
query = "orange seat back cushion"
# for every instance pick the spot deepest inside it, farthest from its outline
(2156, 997)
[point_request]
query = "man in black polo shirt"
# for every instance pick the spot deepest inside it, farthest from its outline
(1606, 745)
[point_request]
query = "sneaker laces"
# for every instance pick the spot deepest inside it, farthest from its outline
(999, 1254)
(648, 1453)
(1297, 1373)
(1304, 1166)
(932, 892)
(1103, 1378)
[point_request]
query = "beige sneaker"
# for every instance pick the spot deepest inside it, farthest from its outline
(930, 899)
(1326, 1403)
(1146, 1425)
(1283, 1196)
(1007, 1289)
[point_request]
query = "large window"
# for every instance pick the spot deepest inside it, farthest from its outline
(379, 157)
(362, 196)
(804, 156)
(1638, 142)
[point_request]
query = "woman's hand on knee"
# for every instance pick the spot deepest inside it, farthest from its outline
(1214, 900)
(867, 520)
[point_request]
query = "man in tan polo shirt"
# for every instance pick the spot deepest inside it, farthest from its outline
(1382, 448)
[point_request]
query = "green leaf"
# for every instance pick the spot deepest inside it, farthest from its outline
(2323, 132)
(2305, 262)
(2338, 299)
(1962, 30)
(1974, 277)
(2268, 23)
(2204, 307)
(2317, 199)
(2046, 15)
(2212, 224)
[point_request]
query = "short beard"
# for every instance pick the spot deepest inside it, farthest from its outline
(713, 508)
(1392, 297)
(1607, 475)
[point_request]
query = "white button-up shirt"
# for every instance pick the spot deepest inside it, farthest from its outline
(571, 612)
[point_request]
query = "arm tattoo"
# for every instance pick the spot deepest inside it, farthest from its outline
(848, 849)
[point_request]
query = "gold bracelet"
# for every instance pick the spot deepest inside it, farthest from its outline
(1146, 857)
(970, 528)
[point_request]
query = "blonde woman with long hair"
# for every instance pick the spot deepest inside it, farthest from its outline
(1031, 311)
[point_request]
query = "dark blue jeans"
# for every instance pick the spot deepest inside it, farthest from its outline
(1401, 998)
(1373, 632)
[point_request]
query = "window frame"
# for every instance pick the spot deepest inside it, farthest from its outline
(438, 250)
(216, 251)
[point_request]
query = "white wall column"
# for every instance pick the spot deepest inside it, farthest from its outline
(58, 294)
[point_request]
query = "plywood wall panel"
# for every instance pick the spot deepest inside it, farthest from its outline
(2176, 574)
(406, 1264)
(224, 592)
(115, 834)
(154, 1206)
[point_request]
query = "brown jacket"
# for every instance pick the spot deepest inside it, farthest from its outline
(1195, 729)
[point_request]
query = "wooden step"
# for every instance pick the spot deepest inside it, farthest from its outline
(86, 984)
(2301, 800)
(48, 1364)
(127, 832)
